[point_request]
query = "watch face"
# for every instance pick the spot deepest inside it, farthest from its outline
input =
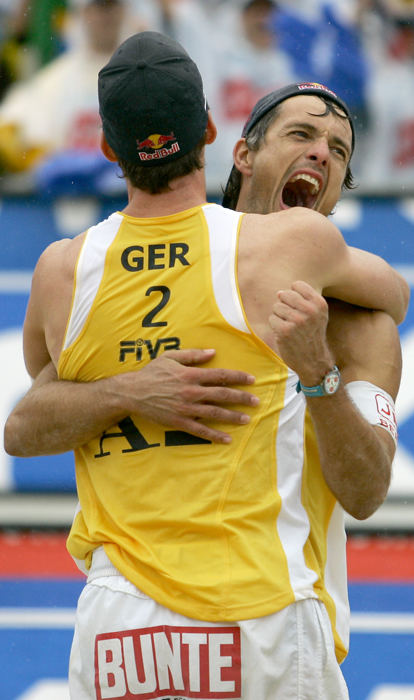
(331, 382)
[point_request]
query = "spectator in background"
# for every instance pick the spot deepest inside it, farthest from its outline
(247, 64)
(324, 40)
(192, 23)
(54, 115)
(44, 21)
(8, 62)
(162, 15)
(388, 163)
(30, 36)
(21, 49)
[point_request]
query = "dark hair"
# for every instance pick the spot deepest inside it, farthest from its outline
(255, 138)
(157, 179)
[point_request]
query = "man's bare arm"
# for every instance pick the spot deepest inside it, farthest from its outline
(323, 259)
(356, 457)
(354, 275)
(57, 416)
(383, 288)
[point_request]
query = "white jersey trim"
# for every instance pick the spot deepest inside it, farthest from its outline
(89, 273)
(223, 227)
(293, 525)
(336, 575)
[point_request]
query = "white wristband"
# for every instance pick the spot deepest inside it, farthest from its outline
(375, 405)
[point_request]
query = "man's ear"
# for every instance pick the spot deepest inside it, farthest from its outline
(211, 129)
(242, 157)
(107, 150)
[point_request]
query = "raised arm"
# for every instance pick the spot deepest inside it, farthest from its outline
(356, 455)
(323, 259)
(369, 281)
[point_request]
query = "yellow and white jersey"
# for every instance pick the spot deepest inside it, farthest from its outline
(215, 532)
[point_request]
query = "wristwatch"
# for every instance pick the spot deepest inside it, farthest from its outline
(328, 386)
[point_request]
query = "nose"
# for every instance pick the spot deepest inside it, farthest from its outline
(319, 151)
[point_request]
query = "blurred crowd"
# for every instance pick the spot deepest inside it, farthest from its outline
(52, 50)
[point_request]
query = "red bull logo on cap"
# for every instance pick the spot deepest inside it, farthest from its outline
(318, 86)
(157, 144)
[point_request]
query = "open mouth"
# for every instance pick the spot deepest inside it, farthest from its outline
(301, 191)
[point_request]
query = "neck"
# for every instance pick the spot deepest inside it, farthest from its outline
(241, 201)
(244, 198)
(184, 193)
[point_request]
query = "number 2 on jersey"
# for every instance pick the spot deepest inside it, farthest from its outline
(148, 321)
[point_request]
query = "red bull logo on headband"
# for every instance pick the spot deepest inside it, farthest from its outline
(318, 86)
(157, 144)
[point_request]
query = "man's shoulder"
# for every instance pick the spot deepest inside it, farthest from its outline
(60, 253)
(289, 217)
(294, 225)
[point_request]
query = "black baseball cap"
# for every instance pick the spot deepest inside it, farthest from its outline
(151, 100)
(266, 103)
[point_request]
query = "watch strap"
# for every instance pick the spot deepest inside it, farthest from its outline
(322, 389)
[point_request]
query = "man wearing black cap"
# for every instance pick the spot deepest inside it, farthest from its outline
(280, 106)
(202, 574)
(292, 153)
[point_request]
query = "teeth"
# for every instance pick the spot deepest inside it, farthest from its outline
(307, 178)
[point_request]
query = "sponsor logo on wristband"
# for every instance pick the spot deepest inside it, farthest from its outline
(386, 415)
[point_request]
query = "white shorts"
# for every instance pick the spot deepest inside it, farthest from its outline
(126, 646)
